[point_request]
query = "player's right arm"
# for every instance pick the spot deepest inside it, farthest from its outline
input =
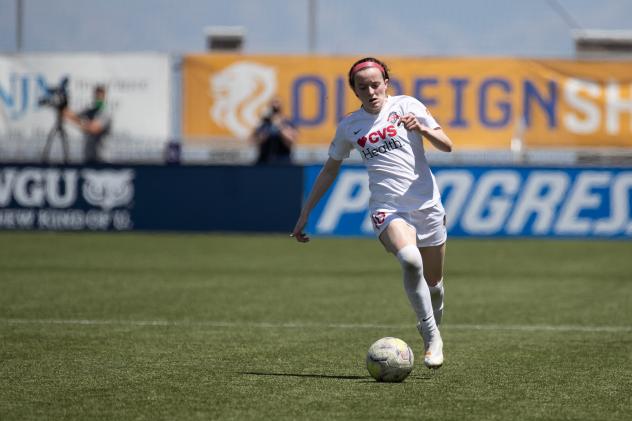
(325, 179)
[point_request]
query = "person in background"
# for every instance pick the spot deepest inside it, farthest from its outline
(94, 122)
(405, 204)
(275, 136)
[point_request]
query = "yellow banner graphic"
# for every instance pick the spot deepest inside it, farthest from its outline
(480, 102)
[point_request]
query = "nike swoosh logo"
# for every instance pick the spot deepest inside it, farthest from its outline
(356, 131)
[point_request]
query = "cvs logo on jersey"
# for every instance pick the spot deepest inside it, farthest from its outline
(374, 137)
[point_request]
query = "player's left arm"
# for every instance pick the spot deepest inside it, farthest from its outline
(436, 135)
(438, 138)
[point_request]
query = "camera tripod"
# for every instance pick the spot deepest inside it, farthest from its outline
(57, 130)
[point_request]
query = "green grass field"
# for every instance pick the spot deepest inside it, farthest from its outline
(187, 327)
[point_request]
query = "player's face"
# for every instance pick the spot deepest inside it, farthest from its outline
(370, 87)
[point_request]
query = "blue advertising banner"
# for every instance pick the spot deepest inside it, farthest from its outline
(479, 201)
(200, 198)
(496, 201)
(66, 198)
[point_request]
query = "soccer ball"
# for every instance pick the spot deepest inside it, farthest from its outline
(390, 360)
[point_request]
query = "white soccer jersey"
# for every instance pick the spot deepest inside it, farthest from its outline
(399, 176)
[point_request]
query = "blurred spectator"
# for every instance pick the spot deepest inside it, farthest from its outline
(173, 152)
(275, 136)
(95, 123)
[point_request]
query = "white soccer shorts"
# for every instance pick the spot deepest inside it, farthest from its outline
(429, 224)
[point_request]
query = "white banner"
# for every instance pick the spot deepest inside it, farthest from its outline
(138, 94)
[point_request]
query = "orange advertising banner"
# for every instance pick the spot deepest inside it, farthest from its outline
(480, 102)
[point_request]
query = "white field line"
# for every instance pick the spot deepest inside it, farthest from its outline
(305, 325)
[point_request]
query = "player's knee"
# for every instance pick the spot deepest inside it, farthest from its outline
(410, 258)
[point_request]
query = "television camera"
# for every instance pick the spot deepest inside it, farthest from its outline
(57, 98)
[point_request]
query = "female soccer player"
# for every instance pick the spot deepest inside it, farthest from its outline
(405, 204)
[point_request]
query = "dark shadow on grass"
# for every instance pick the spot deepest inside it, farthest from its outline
(315, 376)
(423, 376)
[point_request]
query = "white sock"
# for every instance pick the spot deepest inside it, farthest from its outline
(436, 294)
(416, 287)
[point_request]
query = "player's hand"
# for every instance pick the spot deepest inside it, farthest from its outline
(298, 232)
(412, 123)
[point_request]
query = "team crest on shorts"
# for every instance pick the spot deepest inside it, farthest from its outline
(378, 218)
(393, 117)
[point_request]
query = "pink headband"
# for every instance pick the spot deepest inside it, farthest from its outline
(365, 65)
